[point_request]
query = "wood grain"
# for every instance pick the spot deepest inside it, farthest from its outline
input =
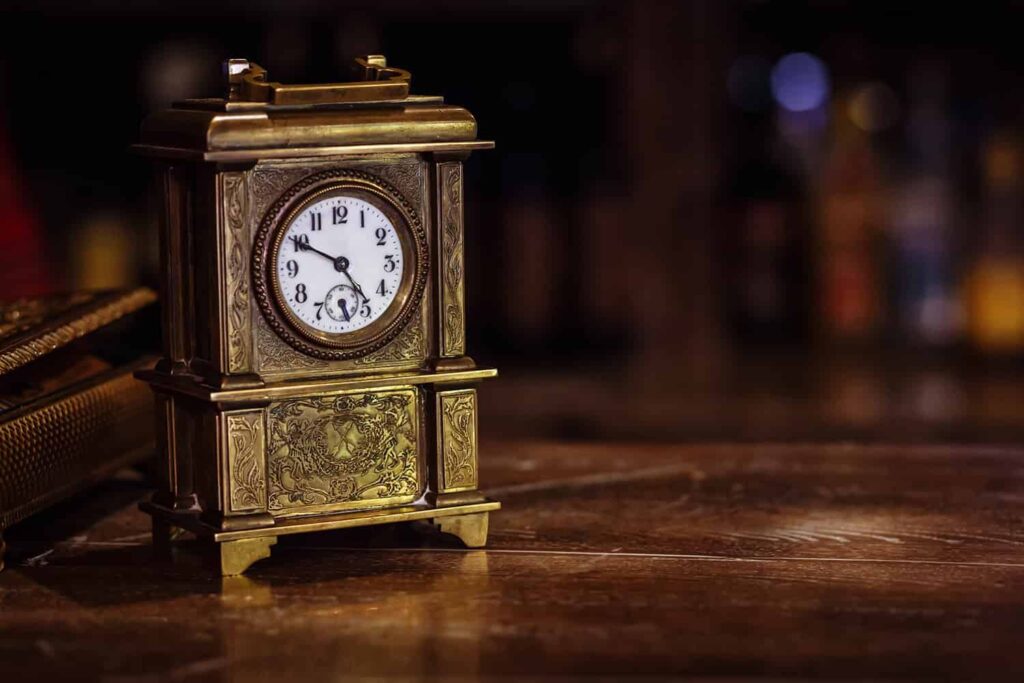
(913, 503)
(612, 560)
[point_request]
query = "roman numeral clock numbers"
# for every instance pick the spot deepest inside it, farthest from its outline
(340, 275)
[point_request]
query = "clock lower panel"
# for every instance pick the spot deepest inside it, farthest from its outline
(242, 471)
(343, 452)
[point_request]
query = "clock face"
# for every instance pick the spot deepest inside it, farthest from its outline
(340, 264)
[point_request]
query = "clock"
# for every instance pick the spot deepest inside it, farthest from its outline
(342, 268)
(314, 372)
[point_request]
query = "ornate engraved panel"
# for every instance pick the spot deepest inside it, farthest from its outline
(246, 461)
(407, 346)
(275, 354)
(456, 417)
(271, 178)
(236, 255)
(274, 357)
(453, 324)
(351, 450)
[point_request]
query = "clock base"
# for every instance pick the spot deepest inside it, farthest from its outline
(470, 529)
(237, 550)
(234, 557)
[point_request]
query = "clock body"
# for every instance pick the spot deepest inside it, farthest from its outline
(315, 373)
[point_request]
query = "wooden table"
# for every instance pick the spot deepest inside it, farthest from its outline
(614, 560)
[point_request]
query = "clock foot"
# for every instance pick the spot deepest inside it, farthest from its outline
(470, 529)
(234, 557)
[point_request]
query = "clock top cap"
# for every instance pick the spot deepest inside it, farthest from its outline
(259, 118)
(373, 81)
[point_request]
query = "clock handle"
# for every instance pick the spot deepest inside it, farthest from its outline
(247, 82)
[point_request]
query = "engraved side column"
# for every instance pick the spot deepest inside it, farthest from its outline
(454, 473)
(451, 315)
(236, 353)
(240, 487)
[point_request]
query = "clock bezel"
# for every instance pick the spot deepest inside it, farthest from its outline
(411, 235)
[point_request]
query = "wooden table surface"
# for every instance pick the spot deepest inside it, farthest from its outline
(609, 560)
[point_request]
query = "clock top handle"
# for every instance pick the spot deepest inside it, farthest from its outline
(376, 81)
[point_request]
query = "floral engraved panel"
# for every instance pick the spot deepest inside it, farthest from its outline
(271, 178)
(453, 330)
(406, 175)
(407, 347)
(457, 413)
(276, 355)
(236, 250)
(348, 450)
(245, 458)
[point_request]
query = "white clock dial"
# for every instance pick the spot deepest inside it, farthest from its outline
(339, 264)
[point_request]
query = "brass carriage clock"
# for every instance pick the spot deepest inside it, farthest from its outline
(314, 373)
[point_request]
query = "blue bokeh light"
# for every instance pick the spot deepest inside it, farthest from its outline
(800, 82)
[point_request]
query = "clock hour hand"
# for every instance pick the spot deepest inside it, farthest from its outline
(340, 264)
(306, 246)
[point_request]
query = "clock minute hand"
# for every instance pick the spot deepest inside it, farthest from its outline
(359, 290)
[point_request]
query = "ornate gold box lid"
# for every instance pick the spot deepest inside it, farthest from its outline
(262, 119)
(33, 328)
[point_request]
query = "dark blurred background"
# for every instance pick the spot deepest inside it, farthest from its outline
(756, 219)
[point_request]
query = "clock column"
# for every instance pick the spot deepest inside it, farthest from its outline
(450, 259)
(452, 412)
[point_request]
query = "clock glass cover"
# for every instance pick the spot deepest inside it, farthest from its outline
(343, 265)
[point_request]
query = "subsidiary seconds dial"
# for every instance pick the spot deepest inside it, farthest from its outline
(339, 264)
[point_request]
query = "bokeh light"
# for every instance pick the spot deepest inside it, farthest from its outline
(800, 82)
(874, 107)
